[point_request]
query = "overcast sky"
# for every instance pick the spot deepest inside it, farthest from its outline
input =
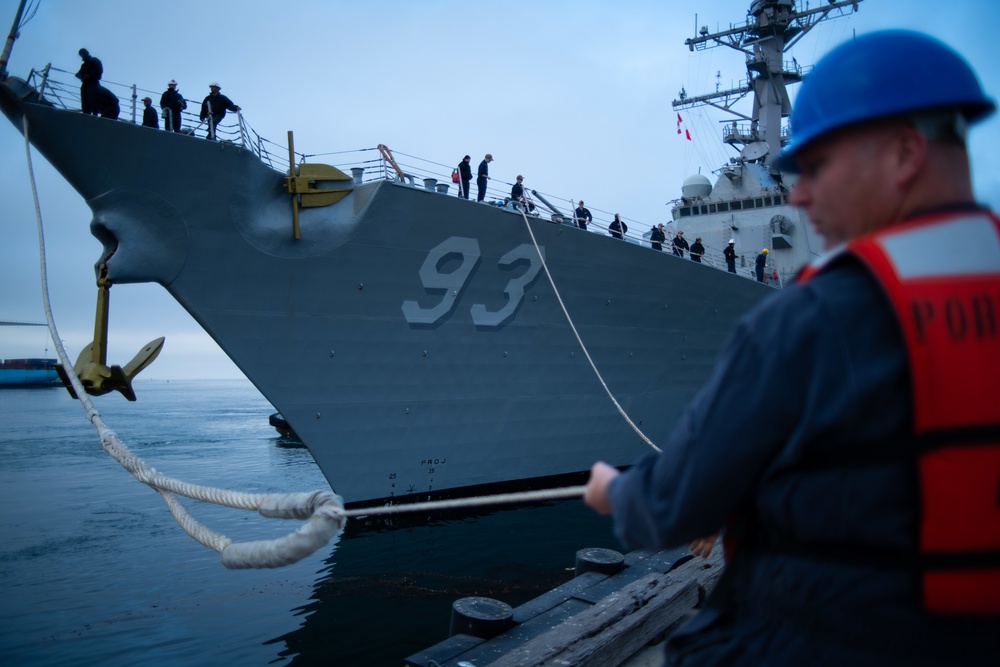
(573, 95)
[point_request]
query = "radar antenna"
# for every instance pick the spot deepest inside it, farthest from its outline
(772, 27)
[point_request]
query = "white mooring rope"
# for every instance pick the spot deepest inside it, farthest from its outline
(579, 340)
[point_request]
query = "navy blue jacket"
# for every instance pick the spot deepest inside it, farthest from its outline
(173, 100)
(680, 245)
(814, 374)
(106, 102)
(149, 117)
(91, 70)
(657, 237)
(217, 105)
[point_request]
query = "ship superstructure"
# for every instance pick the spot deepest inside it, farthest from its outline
(749, 201)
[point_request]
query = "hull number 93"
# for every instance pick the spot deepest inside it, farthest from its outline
(450, 285)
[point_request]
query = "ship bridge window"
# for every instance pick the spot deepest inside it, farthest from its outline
(736, 205)
(685, 212)
(704, 209)
(723, 207)
(767, 201)
(712, 208)
(759, 203)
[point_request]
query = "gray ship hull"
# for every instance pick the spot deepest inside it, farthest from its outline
(411, 339)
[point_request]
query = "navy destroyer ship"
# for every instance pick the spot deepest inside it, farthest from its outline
(416, 342)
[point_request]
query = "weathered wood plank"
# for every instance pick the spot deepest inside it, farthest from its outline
(615, 628)
(624, 639)
(659, 564)
(443, 651)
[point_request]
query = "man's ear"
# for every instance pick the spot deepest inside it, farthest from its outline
(911, 153)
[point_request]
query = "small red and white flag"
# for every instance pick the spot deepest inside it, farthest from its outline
(687, 133)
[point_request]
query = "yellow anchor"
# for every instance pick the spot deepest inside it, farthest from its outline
(303, 188)
(91, 366)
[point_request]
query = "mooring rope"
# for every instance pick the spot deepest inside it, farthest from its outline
(324, 510)
(478, 501)
(579, 340)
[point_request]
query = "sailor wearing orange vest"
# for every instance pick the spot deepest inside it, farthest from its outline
(849, 438)
(947, 305)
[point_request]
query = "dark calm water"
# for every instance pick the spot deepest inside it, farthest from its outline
(94, 570)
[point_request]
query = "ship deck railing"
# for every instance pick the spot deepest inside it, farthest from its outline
(61, 89)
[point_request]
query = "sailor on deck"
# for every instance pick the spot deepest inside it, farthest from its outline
(729, 252)
(149, 117)
(760, 264)
(657, 237)
(464, 176)
(679, 244)
(214, 107)
(483, 177)
(90, 73)
(172, 103)
(849, 438)
(582, 215)
(618, 228)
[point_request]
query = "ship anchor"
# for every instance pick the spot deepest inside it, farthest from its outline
(91, 366)
(302, 187)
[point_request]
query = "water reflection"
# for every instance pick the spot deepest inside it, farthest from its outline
(386, 592)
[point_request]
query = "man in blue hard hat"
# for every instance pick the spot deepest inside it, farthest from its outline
(848, 441)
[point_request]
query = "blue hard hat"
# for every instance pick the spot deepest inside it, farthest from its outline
(881, 74)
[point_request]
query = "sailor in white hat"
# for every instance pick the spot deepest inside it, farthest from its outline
(172, 103)
(214, 107)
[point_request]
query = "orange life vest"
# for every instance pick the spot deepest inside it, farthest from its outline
(942, 275)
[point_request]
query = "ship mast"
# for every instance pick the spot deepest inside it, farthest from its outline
(15, 29)
(772, 27)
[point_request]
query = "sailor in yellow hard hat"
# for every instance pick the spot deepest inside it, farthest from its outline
(760, 264)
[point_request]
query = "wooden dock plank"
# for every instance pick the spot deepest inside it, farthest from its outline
(662, 563)
(594, 620)
(618, 625)
(441, 652)
(558, 595)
